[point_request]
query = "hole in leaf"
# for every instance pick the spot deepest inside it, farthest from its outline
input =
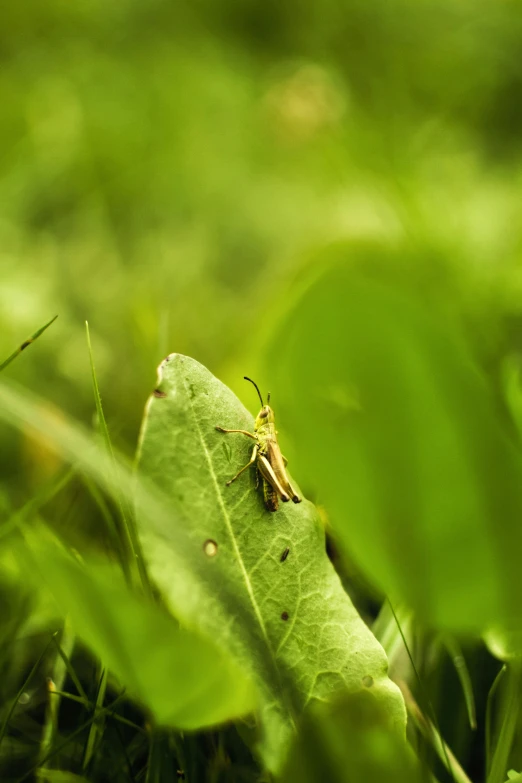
(210, 548)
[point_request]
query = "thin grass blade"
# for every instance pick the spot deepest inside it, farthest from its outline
(459, 662)
(26, 343)
(131, 556)
(21, 690)
(510, 710)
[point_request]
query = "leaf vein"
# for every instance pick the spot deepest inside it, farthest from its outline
(237, 551)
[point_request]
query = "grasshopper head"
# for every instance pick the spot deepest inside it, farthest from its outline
(265, 416)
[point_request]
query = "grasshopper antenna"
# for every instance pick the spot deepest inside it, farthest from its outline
(268, 398)
(257, 389)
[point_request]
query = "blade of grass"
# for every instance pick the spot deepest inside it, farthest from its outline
(110, 523)
(127, 533)
(459, 662)
(163, 746)
(18, 408)
(26, 343)
(97, 726)
(386, 630)
(70, 738)
(97, 398)
(489, 719)
(72, 697)
(23, 687)
(59, 671)
(71, 671)
(87, 704)
(434, 735)
(124, 751)
(510, 712)
(178, 747)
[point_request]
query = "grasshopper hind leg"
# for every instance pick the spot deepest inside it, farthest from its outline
(293, 494)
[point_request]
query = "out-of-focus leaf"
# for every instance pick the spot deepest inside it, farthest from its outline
(185, 680)
(505, 644)
(350, 741)
(59, 776)
(288, 623)
(511, 377)
(396, 431)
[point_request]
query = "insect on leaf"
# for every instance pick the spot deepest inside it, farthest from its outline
(289, 624)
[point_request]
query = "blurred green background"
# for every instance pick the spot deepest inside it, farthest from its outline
(171, 172)
(169, 169)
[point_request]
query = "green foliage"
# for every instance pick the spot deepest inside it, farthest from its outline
(289, 624)
(181, 677)
(181, 174)
(56, 776)
(349, 741)
(409, 451)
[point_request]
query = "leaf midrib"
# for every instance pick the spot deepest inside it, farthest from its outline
(237, 552)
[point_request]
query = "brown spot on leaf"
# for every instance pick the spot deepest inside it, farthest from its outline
(285, 616)
(158, 393)
(285, 554)
(24, 345)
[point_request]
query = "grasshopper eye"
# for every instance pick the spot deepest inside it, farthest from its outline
(263, 414)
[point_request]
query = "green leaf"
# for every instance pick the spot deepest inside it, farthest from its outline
(511, 376)
(349, 742)
(289, 624)
(396, 430)
(57, 776)
(182, 678)
(504, 643)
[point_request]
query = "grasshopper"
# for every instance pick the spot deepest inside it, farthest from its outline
(266, 455)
